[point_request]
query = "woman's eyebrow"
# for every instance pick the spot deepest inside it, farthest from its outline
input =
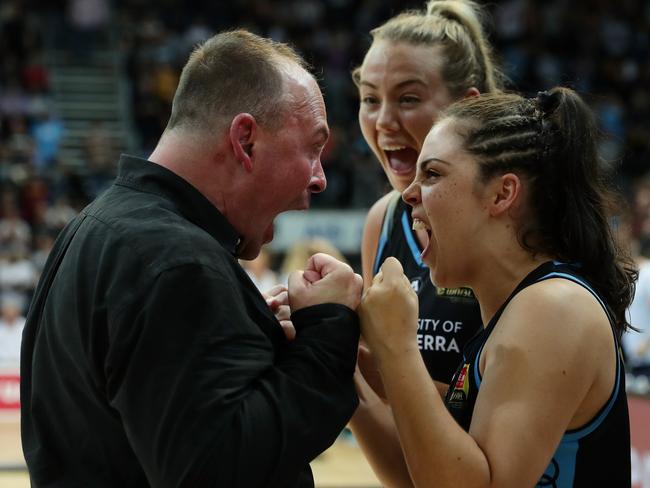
(431, 160)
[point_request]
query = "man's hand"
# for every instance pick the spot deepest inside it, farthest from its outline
(324, 280)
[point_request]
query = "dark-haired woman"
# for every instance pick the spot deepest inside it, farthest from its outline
(511, 193)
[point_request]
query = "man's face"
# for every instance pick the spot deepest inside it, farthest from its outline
(287, 167)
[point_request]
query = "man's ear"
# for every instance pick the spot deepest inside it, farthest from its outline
(242, 133)
(505, 193)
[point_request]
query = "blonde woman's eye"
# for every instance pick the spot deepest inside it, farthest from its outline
(369, 100)
(409, 99)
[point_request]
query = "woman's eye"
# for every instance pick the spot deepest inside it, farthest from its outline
(369, 100)
(430, 173)
(409, 99)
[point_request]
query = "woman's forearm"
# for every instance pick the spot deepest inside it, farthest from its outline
(374, 429)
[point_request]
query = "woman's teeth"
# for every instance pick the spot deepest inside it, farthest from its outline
(419, 225)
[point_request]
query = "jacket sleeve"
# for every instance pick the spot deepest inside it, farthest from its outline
(208, 399)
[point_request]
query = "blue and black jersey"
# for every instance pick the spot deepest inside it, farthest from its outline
(597, 454)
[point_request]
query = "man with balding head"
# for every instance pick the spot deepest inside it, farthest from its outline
(149, 357)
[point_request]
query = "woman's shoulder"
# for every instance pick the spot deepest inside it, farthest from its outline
(372, 231)
(559, 310)
(375, 217)
(551, 328)
(378, 209)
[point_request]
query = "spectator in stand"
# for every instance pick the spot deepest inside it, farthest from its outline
(47, 131)
(20, 144)
(100, 150)
(88, 22)
(637, 343)
(15, 232)
(12, 322)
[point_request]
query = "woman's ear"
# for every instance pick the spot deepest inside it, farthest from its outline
(242, 133)
(472, 92)
(505, 193)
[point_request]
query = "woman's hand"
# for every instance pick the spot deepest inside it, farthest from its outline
(277, 298)
(389, 311)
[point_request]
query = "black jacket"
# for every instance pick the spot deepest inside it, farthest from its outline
(150, 359)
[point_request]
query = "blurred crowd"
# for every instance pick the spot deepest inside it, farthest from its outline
(599, 47)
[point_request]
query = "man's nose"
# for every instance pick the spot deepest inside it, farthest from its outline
(318, 182)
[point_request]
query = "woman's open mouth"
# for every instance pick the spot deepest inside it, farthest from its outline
(401, 159)
(421, 225)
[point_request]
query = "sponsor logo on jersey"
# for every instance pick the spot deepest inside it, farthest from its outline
(461, 388)
(454, 292)
(416, 284)
(461, 382)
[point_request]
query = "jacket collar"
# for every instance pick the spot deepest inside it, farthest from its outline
(146, 176)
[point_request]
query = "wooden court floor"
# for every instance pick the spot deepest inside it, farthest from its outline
(341, 466)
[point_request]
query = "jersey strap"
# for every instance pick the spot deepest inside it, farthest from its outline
(386, 228)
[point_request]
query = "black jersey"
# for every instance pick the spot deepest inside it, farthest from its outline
(449, 317)
(597, 454)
